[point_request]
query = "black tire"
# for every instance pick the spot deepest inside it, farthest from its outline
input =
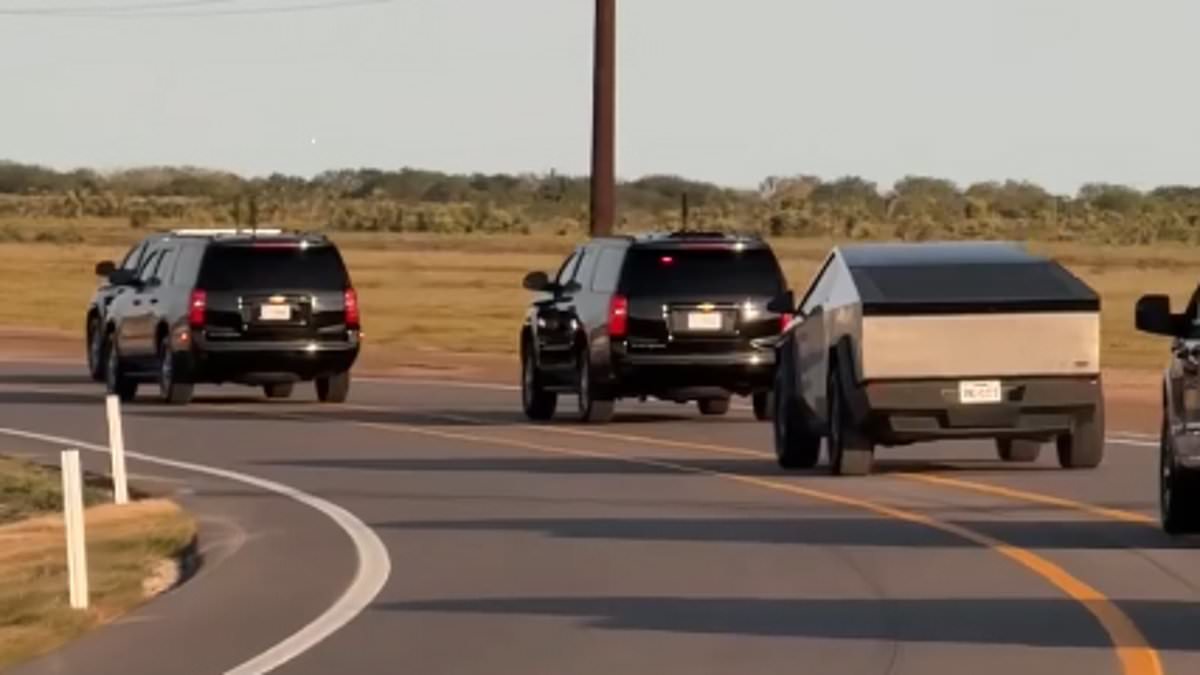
(279, 390)
(539, 405)
(1083, 447)
(333, 388)
(97, 350)
(713, 406)
(115, 379)
(764, 406)
(172, 388)
(1018, 449)
(593, 409)
(851, 453)
(1178, 491)
(796, 446)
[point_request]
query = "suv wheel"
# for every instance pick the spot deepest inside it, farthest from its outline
(592, 409)
(713, 406)
(172, 390)
(96, 350)
(334, 388)
(850, 452)
(1018, 449)
(1178, 491)
(796, 447)
(764, 406)
(539, 404)
(116, 380)
(278, 389)
(1083, 447)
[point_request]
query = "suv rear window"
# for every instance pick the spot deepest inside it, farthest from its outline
(250, 268)
(703, 271)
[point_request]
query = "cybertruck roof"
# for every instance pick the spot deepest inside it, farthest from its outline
(958, 277)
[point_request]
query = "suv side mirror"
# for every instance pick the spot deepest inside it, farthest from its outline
(537, 281)
(123, 277)
(1153, 315)
(105, 268)
(784, 303)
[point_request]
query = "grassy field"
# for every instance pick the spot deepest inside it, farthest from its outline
(463, 294)
(126, 547)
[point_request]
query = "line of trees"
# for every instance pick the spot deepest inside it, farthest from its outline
(913, 208)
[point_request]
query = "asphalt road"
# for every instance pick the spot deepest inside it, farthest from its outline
(663, 543)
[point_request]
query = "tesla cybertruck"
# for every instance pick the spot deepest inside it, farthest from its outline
(900, 343)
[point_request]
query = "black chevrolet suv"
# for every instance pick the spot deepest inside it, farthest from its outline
(679, 316)
(262, 308)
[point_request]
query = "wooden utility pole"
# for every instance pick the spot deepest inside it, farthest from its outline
(603, 207)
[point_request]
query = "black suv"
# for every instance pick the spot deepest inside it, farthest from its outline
(262, 308)
(679, 317)
(1179, 444)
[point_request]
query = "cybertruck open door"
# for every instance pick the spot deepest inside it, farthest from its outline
(900, 343)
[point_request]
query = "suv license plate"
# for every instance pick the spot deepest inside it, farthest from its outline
(275, 312)
(704, 321)
(979, 391)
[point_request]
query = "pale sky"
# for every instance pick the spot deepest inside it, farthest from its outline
(1056, 91)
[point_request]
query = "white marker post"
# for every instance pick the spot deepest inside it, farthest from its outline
(116, 447)
(77, 573)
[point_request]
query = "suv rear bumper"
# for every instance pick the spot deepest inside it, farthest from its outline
(259, 362)
(693, 375)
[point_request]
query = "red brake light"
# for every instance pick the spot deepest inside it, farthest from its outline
(197, 308)
(784, 320)
(667, 260)
(353, 318)
(618, 316)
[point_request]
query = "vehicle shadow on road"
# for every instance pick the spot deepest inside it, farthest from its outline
(988, 621)
(818, 531)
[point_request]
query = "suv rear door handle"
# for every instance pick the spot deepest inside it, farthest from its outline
(137, 303)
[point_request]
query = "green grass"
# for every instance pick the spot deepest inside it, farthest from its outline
(125, 546)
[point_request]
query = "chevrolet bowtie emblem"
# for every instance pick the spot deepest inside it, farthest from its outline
(276, 299)
(707, 307)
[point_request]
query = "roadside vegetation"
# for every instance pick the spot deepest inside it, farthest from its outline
(438, 258)
(131, 552)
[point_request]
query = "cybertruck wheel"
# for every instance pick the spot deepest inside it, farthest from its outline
(764, 406)
(539, 404)
(278, 390)
(1178, 491)
(713, 406)
(593, 409)
(1083, 447)
(115, 379)
(96, 350)
(796, 447)
(851, 453)
(333, 388)
(1018, 449)
(171, 388)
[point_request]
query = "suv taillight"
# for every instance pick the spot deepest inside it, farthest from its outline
(784, 320)
(618, 316)
(197, 308)
(353, 318)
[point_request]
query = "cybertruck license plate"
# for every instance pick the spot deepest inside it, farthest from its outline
(979, 391)
(275, 312)
(704, 321)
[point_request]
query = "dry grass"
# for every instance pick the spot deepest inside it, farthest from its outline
(125, 546)
(463, 293)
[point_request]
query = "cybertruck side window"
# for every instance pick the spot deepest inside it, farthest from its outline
(821, 289)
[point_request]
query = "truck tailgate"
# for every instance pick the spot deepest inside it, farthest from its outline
(980, 345)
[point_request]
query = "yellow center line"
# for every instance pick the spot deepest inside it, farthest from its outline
(1133, 651)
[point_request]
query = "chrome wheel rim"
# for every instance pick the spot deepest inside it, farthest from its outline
(527, 381)
(166, 372)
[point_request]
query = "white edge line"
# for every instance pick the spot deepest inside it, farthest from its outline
(374, 565)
